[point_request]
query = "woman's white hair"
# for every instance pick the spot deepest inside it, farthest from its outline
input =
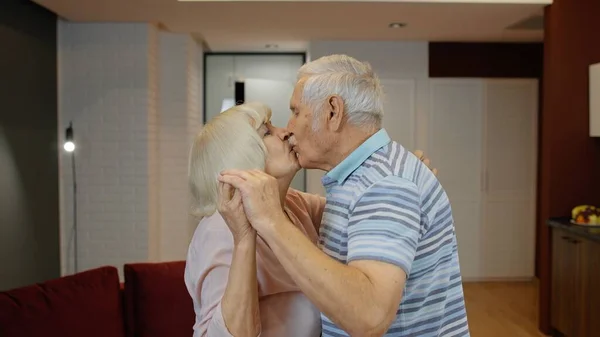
(354, 81)
(228, 141)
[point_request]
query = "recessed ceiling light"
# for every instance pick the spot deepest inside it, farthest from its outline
(397, 25)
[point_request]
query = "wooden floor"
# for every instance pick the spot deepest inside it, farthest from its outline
(502, 309)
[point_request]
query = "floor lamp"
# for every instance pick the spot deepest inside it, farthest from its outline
(69, 146)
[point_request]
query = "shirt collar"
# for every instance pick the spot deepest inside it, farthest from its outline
(358, 156)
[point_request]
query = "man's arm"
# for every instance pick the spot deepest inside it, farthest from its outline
(362, 297)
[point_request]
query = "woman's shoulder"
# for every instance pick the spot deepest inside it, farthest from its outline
(211, 233)
(308, 208)
(303, 200)
(297, 199)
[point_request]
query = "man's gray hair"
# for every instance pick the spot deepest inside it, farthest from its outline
(354, 81)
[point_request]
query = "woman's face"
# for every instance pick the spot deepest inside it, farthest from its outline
(281, 160)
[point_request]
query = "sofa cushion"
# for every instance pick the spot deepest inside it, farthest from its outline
(85, 304)
(156, 300)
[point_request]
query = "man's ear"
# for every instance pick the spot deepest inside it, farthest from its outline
(335, 113)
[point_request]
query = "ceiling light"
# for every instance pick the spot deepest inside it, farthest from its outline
(397, 25)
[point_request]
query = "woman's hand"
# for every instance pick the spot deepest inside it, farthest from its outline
(421, 155)
(260, 194)
(230, 207)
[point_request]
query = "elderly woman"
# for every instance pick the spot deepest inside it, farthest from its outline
(237, 285)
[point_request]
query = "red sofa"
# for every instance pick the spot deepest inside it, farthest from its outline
(152, 302)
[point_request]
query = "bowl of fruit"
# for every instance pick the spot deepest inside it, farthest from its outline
(586, 215)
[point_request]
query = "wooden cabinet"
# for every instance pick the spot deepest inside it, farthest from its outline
(567, 283)
(593, 289)
(575, 285)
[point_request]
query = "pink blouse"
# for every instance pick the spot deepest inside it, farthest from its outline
(284, 310)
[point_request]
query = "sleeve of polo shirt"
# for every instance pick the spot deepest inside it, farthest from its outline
(385, 223)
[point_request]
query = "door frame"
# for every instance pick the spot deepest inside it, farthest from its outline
(206, 55)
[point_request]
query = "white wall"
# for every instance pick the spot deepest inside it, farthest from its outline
(103, 75)
(131, 92)
(179, 121)
(393, 62)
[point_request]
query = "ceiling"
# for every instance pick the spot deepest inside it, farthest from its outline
(289, 25)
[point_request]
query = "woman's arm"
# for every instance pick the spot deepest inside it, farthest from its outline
(218, 270)
(221, 273)
(239, 305)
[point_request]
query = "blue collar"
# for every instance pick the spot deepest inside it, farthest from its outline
(358, 156)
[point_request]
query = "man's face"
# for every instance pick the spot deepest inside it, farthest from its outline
(307, 143)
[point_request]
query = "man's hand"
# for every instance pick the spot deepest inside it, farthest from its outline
(260, 196)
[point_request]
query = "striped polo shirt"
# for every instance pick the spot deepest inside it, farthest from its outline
(384, 204)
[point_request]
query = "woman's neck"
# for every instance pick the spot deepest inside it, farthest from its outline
(284, 185)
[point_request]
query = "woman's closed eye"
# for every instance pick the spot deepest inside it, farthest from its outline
(267, 130)
(264, 131)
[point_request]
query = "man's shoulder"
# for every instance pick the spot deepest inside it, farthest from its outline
(393, 159)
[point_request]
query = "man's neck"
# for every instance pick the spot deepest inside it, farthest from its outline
(350, 141)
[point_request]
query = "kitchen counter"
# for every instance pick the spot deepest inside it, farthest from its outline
(590, 233)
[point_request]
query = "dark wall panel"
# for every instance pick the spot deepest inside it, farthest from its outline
(493, 60)
(29, 197)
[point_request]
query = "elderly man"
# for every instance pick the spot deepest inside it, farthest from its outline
(388, 261)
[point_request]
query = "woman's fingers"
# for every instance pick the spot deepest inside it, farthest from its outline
(221, 194)
(232, 180)
(237, 173)
(226, 194)
(237, 197)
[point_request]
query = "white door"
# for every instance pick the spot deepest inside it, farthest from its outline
(455, 138)
(510, 161)
(399, 111)
(276, 94)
